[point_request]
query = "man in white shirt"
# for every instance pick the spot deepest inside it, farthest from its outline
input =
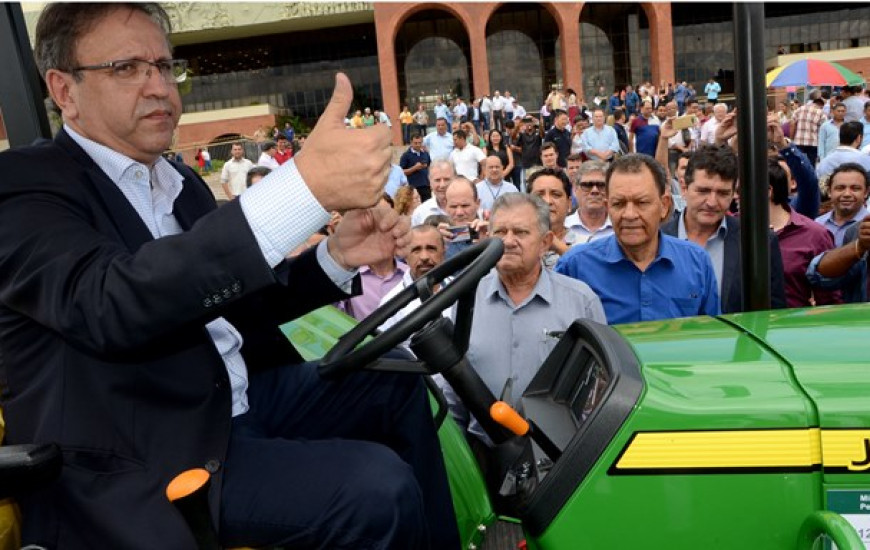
(467, 159)
(498, 111)
(590, 221)
(485, 113)
(440, 174)
(460, 110)
(267, 157)
(234, 172)
(708, 130)
(425, 253)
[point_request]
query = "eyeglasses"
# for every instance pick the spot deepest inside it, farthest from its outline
(588, 185)
(137, 71)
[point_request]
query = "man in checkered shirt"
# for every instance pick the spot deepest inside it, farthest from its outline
(805, 126)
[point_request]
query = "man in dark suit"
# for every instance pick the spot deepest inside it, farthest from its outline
(138, 323)
(708, 190)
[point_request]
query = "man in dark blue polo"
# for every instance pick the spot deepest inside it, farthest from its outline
(560, 135)
(415, 163)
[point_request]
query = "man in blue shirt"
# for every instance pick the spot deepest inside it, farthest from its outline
(599, 140)
(632, 100)
(439, 144)
(415, 163)
(560, 135)
(712, 90)
(681, 95)
(442, 111)
(640, 274)
(643, 135)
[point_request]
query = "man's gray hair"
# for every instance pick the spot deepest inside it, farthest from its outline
(61, 25)
(590, 167)
(441, 163)
(513, 200)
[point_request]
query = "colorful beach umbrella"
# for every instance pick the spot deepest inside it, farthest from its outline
(812, 72)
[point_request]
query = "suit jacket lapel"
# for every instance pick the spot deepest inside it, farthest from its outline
(190, 206)
(732, 265)
(132, 229)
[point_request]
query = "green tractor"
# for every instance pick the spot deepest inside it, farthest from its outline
(739, 431)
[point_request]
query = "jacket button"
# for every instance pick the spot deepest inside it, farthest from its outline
(207, 303)
(227, 294)
(237, 287)
(212, 466)
(217, 299)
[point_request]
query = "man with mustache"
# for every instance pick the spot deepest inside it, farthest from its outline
(709, 184)
(845, 268)
(638, 273)
(139, 322)
(849, 190)
(425, 252)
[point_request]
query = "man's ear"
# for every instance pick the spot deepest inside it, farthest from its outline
(666, 206)
(61, 88)
(547, 240)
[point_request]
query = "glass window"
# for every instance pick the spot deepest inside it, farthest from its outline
(267, 69)
(515, 65)
(614, 46)
(433, 59)
(523, 52)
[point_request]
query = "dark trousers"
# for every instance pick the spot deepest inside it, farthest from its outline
(484, 122)
(425, 193)
(811, 151)
(406, 134)
(350, 463)
(498, 120)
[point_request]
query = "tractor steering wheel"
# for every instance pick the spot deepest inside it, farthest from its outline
(346, 357)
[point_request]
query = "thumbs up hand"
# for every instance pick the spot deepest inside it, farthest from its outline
(345, 169)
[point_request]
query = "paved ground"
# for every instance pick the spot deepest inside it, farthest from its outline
(214, 182)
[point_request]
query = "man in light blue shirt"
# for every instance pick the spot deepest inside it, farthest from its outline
(395, 179)
(712, 90)
(638, 273)
(442, 111)
(829, 132)
(851, 137)
(599, 141)
(439, 144)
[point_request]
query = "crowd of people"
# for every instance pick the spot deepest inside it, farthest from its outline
(636, 198)
(642, 200)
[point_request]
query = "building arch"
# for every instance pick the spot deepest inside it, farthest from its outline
(614, 46)
(522, 51)
(432, 57)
